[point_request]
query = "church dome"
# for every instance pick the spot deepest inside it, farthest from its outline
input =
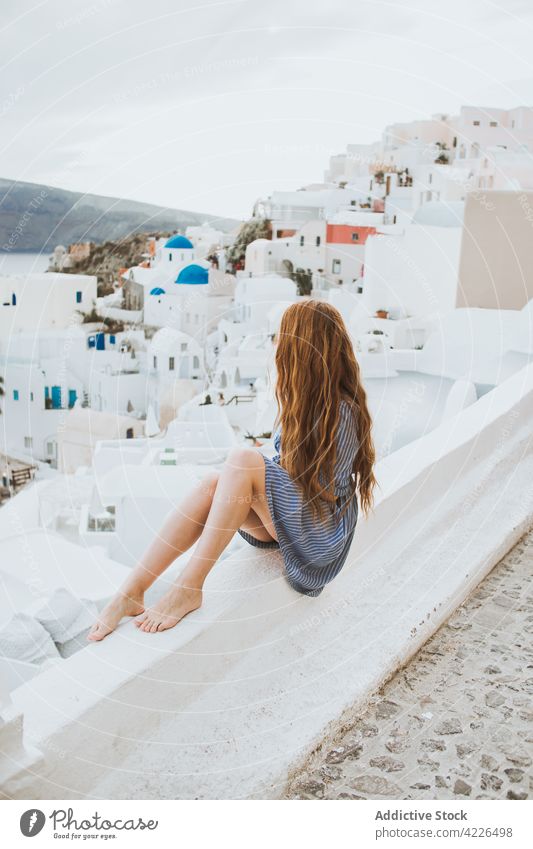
(179, 242)
(193, 274)
(157, 291)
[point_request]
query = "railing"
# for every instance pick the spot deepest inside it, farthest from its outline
(239, 399)
(21, 476)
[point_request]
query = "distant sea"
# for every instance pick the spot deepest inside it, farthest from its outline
(23, 263)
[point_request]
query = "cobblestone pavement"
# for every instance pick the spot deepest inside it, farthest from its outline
(457, 721)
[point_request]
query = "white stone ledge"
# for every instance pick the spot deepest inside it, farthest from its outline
(227, 703)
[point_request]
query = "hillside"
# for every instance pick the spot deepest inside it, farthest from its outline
(36, 217)
(105, 260)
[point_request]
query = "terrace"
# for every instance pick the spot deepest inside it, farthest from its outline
(249, 684)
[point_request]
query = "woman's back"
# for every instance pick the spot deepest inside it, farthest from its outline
(347, 446)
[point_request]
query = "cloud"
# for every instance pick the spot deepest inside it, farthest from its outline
(183, 103)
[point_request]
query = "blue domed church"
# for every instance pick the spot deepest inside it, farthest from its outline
(178, 250)
(170, 287)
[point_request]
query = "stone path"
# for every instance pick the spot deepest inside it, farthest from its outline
(457, 721)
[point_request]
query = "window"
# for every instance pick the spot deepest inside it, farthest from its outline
(50, 446)
(359, 290)
(430, 178)
(317, 241)
(129, 433)
(476, 123)
(15, 395)
(196, 362)
(355, 237)
(13, 300)
(336, 266)
(78, 297)
(28, 442)
(31, 396)
(155, 362)
(171, 363)
(493, 123)
(170, 257)
(302, 240)
(112, 339)
(183, 346)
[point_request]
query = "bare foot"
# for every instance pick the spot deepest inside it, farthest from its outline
(177, 603)
(121, 605)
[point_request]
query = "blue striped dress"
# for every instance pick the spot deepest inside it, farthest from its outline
(314, 550)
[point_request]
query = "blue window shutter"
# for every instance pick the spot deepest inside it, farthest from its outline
(56, 397)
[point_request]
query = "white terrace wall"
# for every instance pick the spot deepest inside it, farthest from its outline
(226, 704)
(414, 273)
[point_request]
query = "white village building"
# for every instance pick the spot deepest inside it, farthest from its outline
(35, 302)
(206, 239)
(332, 251)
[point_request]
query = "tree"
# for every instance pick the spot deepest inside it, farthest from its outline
(107, 325)
(303, 280)
(255, 228)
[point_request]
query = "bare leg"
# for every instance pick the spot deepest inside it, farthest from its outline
(181, 530)
(239, 493)
(255, 527)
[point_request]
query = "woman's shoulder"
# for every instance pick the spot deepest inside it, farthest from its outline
(347, 407)
(347, 419)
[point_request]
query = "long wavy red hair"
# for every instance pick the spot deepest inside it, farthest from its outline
(316, 369)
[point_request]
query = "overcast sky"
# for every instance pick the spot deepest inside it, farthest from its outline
(210, 105)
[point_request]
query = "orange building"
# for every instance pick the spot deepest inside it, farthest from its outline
(346, 234)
